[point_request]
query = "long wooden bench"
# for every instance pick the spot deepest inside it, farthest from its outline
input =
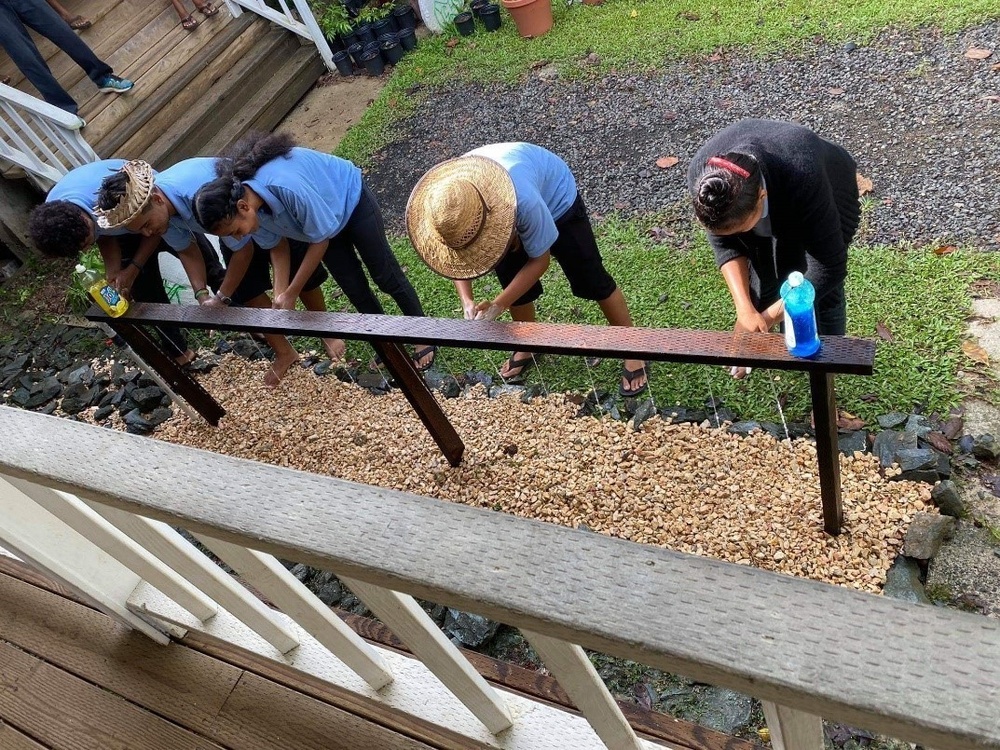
(387, 333)
(920, 673)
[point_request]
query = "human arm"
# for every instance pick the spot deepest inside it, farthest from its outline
(736, 273)
(236, 269)
(194, 266)
(129, 271)
(284, 298)
(111, 254)
(466, 297)
(527, 277)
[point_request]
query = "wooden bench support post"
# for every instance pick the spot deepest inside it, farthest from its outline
(824, 404)
(399, 364)
(140, 341)
(791, 729)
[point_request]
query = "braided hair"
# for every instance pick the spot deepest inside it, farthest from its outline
(727, 190)
(216, 201)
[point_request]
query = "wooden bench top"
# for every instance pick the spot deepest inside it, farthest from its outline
(839, 355)
(916, 672)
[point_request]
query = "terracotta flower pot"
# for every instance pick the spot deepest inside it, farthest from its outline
(532, 17)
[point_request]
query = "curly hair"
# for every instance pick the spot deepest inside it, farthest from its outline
(216, 201)
(59, 229)
(112, 190)
(723, 197)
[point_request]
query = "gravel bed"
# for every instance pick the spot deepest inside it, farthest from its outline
(910, 106)
(748, 500)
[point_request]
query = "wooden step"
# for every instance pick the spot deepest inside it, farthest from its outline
(277, 84)
(198, 84)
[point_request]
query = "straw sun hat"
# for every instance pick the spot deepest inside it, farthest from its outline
(461, 216)
(137, 195)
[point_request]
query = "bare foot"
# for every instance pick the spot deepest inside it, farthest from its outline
(186, 358)
(336, 349)
(279, 367)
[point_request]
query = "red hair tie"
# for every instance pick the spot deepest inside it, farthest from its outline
(718, 161)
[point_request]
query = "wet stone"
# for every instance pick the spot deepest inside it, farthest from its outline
(82, 373)
(851, 442)
(449, 387)
(985, 447)
(966, 443)
(136, 423)
(902, 581)
(679, 415)
(322, 368)
(103, 412)
(533, 391)
(949, 502)
(892, 419)
(346, 374)
(20, 396)
(160, 415)
(506, 390)
(718, 417)
(468, 629)
(43, 392)
(926, 534)
(918, 424)
(147, 399)
(889, 442)
(374, 382)
(644, 411)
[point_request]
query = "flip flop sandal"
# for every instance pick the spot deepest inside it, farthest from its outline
(524, 363)
(630, 377)
(208, 10)
(79, 23)
(419, 354)
(189, 24)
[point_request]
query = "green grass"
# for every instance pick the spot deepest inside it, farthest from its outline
(920, 297)
(641, 35)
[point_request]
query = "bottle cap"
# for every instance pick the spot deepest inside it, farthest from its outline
(795, 278)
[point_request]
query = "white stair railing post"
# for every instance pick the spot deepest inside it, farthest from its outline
(45, 542)
(270, 577)
(404, 617)
(569, 664)
(186, 559)
(791, 729)
(315, 33)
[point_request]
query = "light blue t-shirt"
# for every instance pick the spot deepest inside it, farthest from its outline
(79, 186)
(179, 183)
(545, 190)
(309, 196)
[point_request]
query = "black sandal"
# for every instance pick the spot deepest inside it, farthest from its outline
(630, 376)
(522, 365)
(419, 354)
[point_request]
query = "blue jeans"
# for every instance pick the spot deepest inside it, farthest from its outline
(15, 15)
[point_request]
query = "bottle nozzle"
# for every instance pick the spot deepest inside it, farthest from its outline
(795, 278)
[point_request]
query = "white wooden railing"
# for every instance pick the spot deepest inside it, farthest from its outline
(43, 140)
(91, 507)
(301, 22)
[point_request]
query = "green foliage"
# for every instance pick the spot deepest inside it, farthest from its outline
(921, 298)
(372, 13)
(641, 35)
(332, 17)
(77, 297)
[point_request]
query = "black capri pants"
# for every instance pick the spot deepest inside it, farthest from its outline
(575, 249)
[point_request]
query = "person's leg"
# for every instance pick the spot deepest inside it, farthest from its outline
(42, 18)
(148, 287)
(77, 23)
(576, 251)
(284, 353)
(188, 21)
(522, 311)
(831, 316)
(313, 299)
(19, 45)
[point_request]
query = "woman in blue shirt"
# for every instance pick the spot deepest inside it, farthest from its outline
(274, 191)
(512, 207)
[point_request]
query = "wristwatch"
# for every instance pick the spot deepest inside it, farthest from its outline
(224, 299)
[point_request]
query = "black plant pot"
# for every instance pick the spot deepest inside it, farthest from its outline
(369, 48)
(355, 51)
(372, 60)
(405, 17)
(343, 62)
(388, 36)
(407, 39)
(489, 14)
(477, 6)
(365, 33)
(335, 44)
(465, 23)
(384, 26)
(392, 51)
(348, 39)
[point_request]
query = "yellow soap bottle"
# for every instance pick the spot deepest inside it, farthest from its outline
(105, 295)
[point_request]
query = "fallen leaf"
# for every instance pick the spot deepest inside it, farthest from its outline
(865, 185)
(869, 397)
(975, 352)
(851, 424)
(665, 162)
(990, 98)
(952, 428)
(689, 16)
(938, 442)
(451, 42)
(835, 91)
(714, 58)
(883, 332)
(945, 250)
(978, 53)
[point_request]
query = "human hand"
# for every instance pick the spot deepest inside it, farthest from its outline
(469, 309)
(284, 301)
(488, 311)
(750, 321)
(124, 280)
(211, 301)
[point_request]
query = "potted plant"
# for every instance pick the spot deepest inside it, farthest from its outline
(335, 23)
(464, 21)
(404, 15)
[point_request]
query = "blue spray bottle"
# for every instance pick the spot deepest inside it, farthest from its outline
(800, 316)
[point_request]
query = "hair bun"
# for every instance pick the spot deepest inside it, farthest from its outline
(714, 191)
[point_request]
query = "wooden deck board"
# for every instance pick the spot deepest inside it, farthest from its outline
(210, 701)
(14, 739)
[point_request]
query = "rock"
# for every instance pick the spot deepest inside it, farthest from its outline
(322, 368)
(20, 397)
(223, 347)
(548, 73)
(478, 376)
(147, 399)
(937, 441)
(160, 415)
(852, 442)
(506, 390)
(892, 419)
(346, 374)
(42, 392)
(902, 581)
(302, 572)
(248, 349)
(103, 412)
(374, 382)
(644, 411)
(850, 47)
(449, 387)
(726, 710)
(470, 630)
(966, 443)
(889, 442)
(83, 373)
(326, 586)
(744, 428)
(927, 532)
(533, 391)
(949, 502)
(911, 459)
(952, 427)
(718, 417)
(678, 415)
(136, 423)
(984, 447)
(773, 429)
(918, 424)
(205, 363)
